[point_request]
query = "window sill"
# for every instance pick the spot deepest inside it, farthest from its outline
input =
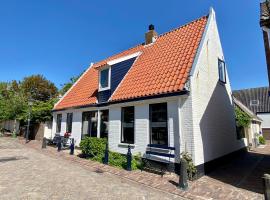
(104, 89)
(125, 145)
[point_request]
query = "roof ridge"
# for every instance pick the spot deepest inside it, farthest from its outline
(161, 35)
(182, 26)
(250, 88)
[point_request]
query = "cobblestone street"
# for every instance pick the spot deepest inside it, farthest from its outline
(28, 174)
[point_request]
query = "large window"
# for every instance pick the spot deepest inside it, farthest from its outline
(104, 123)
(221, 71)
(89, 124)
(104, 79)
(127, 135)
(69, 122)
(58, 123)
(158, 124)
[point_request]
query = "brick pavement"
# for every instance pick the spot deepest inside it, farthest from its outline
(240, 179)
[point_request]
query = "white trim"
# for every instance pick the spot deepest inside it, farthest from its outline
(121, 59)
(195, 61)
(73, 86)
(109, 79)
(124, 77)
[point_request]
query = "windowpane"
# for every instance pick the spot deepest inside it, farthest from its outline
(222, 71)
(158, 124)
(89, 124)
(58, 123)
(69, 122)
(104, 123)
(127, 125)
(104, 78)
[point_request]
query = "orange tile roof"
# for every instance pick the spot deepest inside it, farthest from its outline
(163, 67)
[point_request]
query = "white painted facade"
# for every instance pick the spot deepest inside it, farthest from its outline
(266, 119)
(201, 122)
(213, 128)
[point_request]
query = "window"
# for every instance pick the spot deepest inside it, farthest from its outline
(158, 124)
(58, 123)
(69, 122)
(240, 131)
(104, 123)
(254, 102)
(221, 71)
(89, 124)
(127, 135)
(104, 79)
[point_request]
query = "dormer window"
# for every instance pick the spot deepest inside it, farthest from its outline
(254, 102)
(104, 79)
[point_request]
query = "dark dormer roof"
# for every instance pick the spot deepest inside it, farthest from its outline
(256, 99)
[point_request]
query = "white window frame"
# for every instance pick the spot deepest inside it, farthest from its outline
(223, 71)
(109, 79)
(254, 104)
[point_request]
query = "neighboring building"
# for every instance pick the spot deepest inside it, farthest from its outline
(173, 90)
(265, 24)
(254, 129)
(257, 100)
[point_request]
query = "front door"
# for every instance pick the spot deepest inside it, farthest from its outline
(89, 123)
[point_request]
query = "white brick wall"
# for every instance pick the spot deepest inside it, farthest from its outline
(142, 125)
(266, 119)
(214, 132)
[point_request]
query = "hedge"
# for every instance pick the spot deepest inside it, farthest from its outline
(93, 148)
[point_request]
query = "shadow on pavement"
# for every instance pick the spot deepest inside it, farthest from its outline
(14, 158)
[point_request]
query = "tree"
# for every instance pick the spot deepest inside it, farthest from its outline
(68, 85)
(38, 88)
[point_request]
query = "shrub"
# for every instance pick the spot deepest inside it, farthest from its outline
(261, 140)
(191, 169)
(94, 149)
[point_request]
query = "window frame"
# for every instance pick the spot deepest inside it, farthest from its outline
(100, 122)
(69, 121)
(58, 123)
(100, 88)
(224, 71)
(252, 104)
(150, 124)
(122, 128)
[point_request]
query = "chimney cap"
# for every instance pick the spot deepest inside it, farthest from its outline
(151, 27)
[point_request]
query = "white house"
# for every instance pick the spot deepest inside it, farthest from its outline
(258, 101)
(254, 129)
(173, 90)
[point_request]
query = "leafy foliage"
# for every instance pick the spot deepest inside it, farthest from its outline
(94, 148)
(69, 84)
(242, 119)
(38, 88)
(14, 97)
(191, 169)
(261, 140)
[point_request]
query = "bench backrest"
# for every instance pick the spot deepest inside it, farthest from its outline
(160, 150)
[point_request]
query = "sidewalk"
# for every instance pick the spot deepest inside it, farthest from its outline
(240, 179)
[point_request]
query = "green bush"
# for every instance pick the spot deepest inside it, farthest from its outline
(94, 149)
(191, 169)
(261, 140)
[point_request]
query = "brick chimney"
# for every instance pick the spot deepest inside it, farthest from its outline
(151, 35)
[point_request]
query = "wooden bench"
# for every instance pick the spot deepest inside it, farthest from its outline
(161, 155)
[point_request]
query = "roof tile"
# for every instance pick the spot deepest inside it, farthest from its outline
(162, 67)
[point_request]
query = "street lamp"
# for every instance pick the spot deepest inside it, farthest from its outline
(30, 103)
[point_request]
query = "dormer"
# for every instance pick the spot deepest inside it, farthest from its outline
(105, 78)
(111, 75)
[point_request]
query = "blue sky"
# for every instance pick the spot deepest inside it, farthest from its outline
(59, 39)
